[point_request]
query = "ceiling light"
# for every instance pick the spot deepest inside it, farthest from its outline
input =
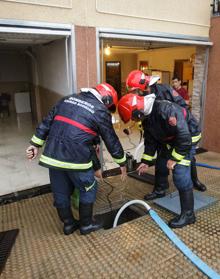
(107, 50)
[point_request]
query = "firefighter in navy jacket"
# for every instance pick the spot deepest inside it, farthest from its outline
(69, 132)
(142, 85)
(168, 125)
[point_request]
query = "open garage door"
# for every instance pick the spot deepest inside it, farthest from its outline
(155, 54)
(37, 69)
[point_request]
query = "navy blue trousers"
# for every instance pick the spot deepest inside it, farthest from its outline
(181, 173)
(63, 183)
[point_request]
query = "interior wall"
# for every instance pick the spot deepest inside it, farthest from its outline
(163, 59)
(52, 72)
(14, 74)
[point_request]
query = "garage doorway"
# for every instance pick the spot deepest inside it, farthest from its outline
(35, 72)
(153, 58)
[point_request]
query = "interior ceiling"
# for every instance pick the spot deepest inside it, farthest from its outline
(15, 41)
(132, 46)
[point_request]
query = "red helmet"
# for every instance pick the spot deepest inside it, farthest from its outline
(109, 95)
(138, 80)
(131, 106)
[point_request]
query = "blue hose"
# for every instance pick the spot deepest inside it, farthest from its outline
(183, 248)
(207, 166)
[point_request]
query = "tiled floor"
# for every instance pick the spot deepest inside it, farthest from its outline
(129, 143)
(17, 173)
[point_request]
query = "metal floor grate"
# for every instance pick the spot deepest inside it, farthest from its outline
(137, 249)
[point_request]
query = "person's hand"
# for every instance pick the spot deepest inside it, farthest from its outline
(123, 173)
(31, 152)
(171, 164)
(143, 168)
(98, 174)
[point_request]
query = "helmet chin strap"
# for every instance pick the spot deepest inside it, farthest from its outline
(148, 103)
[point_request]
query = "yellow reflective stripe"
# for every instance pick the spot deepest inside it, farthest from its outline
(91, 186)
(37, 140)
(119, 161)
(184, 163)
(196, 138)
(148, 157)
(64, 165)
(176, 155)
(168, 147)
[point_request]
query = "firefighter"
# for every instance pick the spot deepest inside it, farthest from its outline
(142, 84)
(168, 125)
(138, 82)
(69, 132)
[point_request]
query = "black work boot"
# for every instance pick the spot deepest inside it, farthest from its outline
(87, 224)
(66, 216)
(187, 215)
(155, 195)
(159, 191)
(196, 183)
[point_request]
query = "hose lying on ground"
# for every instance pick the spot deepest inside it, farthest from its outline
(173, 237)
(207, 166)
